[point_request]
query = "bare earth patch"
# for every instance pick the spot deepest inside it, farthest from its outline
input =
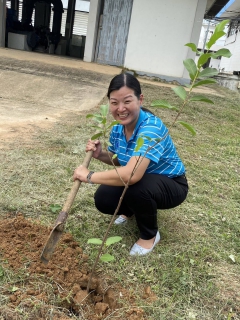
(64, 279)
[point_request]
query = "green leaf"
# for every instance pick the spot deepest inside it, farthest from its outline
(139, 144)
(97, 135)
(55, 207)
(221, 53)
(214, 38)
(14, 289)
(97, 119)
(104, 120)
(95, 241)
(201, 98)
(89, 115)
(107, 257)
(191, 67)
(203, 59)
(181, 92)
(114, 156)
(112, 240)
(208, 72)
(113, 123)
(163, 104)
(96, 127)
(104, 110)
(192, 262)
(192, 46)
(146, 137)
(188, 126)
(202, 82)
(220, 26)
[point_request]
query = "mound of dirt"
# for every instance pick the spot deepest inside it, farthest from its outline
(63, 280)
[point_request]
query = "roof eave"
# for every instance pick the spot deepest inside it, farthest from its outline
(215, 8)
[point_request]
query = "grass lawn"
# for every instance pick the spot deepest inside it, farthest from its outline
(194, 273)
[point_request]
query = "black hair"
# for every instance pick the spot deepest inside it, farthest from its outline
(128, 80)
(122, 80)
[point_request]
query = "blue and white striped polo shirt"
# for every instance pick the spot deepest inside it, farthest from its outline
(163, 157)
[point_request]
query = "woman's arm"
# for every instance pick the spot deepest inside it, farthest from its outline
(111, 177)
(100, 154)
(106, 156)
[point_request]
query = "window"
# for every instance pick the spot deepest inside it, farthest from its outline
(233, 28)
(20, 12)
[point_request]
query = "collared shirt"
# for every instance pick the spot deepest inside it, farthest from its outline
(163, 156)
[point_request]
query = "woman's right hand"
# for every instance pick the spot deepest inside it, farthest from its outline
(94, 146)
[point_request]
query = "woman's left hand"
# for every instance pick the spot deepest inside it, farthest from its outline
(81, 173)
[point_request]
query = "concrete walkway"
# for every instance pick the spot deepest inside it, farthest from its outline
(57, 61)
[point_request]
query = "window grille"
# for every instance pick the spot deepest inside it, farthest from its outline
(233, 28)
(80, 23)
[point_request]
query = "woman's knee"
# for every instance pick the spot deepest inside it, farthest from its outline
(100, 198)
(106, 199)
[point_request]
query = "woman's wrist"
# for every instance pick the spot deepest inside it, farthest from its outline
(97, 158)
(89, 176)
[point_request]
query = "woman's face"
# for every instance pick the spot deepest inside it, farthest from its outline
(125, 106)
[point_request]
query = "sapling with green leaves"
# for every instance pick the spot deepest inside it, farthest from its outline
(106, 257)
(199, 77)
(101, 126)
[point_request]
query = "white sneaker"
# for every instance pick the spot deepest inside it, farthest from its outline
(120, 220)
(138, 250)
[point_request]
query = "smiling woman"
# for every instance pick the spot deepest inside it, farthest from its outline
(159, 181)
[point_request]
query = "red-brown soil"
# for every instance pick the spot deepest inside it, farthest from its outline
(64, 279)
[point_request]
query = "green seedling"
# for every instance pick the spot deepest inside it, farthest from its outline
(106, 257)
(198, 76)
(102, 127)
(55, 208)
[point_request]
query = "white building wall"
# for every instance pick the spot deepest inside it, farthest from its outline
(233, 63)
(215, 63)
(157, 23)
(92, 30)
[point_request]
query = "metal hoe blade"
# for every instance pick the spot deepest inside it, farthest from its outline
(54, 237)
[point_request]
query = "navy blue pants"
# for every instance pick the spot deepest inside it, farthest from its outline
(142, 199)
